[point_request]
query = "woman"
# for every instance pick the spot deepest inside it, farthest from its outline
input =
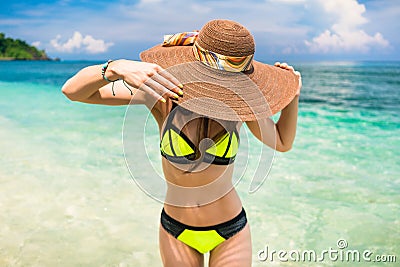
(199, 144)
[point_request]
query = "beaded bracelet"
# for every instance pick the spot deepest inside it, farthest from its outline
(103, 71)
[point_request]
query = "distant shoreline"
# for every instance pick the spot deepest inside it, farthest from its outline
(23, 59)
(16, 49)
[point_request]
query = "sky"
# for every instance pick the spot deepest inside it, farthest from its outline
(284, 30)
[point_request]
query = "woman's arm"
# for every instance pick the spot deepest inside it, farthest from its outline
(89, 86)
(285, 128)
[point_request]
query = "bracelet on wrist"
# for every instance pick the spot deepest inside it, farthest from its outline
(103, 71)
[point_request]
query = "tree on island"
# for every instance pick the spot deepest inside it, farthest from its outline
(11, 49)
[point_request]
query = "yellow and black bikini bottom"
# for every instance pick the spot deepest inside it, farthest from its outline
(203, 238)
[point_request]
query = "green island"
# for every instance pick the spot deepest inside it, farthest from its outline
(15, 49)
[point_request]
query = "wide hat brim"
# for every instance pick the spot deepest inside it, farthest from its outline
(236, 96)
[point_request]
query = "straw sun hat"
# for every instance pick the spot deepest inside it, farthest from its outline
(220, 77)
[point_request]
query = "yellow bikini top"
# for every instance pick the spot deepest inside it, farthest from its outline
(177, 147)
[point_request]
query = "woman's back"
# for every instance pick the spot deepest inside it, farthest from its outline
(198, 162)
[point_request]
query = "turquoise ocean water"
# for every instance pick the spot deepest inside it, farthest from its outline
(67, 198)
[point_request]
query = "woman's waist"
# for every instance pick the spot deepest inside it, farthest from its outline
(218, 211)
(188, 194)
(204, 175)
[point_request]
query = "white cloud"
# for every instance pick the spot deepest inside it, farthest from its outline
(36, 44)
(345, 34)
(95, 46)
(79, 42)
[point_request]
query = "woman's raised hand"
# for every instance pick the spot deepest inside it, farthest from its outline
(290, 68)
(148, 77)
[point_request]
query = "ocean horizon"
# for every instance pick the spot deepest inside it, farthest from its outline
(68, 199)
